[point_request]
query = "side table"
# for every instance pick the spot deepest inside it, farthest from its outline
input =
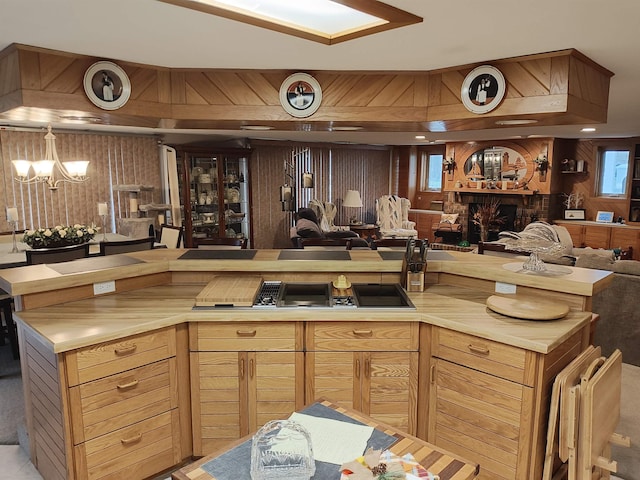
(366, 231)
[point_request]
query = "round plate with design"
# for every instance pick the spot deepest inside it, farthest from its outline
(107, 85)
(300, 95)
(483, 89)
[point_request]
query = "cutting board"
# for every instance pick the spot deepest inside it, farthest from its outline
(239, 292)
(527, 307)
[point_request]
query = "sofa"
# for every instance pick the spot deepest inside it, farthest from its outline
(619, 324)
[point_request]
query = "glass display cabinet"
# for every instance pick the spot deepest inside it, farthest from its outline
(215, 193)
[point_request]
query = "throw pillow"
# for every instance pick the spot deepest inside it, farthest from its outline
(308, 229)
(449, 218)
(599, 262)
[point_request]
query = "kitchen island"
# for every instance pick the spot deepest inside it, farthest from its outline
(138, 381)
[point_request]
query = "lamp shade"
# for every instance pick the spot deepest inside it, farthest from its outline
(352, 199)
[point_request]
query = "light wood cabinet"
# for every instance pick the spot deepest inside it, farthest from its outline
(604, 236)
(372, 367)
(483, 401)
(242, 376)
(110, 410)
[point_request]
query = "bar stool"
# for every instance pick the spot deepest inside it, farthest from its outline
(7, 326)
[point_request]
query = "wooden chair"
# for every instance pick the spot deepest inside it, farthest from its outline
(57, 255)
(171, 236)
(126, 246)
(222, 243)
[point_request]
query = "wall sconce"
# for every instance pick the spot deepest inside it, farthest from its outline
(542, 165)
(307, 180)
(287, 198)
(73, 172)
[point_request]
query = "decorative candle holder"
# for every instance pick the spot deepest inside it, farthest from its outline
(15, 245)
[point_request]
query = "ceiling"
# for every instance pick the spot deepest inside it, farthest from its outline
(455, 32)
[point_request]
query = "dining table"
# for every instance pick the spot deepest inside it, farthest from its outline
(9, 258)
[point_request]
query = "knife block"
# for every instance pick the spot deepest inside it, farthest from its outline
(415, 282)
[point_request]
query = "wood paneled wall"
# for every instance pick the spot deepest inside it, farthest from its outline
(336, 169)
(115, 160)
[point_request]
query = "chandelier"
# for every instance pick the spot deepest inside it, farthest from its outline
(44, 170)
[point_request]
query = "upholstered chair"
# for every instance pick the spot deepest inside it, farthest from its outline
(392, 213)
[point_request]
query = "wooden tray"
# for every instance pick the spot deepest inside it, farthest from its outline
(527, 307)
(227, 290)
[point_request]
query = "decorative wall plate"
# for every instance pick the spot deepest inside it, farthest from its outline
(107, 85)
(300, 95)
(483, 89)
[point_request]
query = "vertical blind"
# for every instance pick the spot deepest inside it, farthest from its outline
(115, 160)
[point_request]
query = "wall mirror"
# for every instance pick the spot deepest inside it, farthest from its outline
(496, 163)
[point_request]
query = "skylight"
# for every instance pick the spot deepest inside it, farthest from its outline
(325, 21)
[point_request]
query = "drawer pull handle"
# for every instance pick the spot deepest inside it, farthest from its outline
(127, 386)
(363, 333)
(432, 374)
(480, 350)
(131, 440)
(246, 333)
(125, 350)
(357, 368)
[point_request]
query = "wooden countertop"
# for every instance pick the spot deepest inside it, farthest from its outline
(39, 278)
(86, 322)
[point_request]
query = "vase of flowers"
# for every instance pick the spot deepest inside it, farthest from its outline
(59, 236)
(486, 216)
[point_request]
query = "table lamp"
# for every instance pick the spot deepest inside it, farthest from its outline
(352, 200)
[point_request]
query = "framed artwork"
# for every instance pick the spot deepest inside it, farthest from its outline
(604, 217)
(300, 95)
(574, 214)
(483, 89)
(107, 85)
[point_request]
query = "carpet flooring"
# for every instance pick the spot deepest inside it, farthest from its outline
(11, 397)
(12, 412)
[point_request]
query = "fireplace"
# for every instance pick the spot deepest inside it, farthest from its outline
(509, 212)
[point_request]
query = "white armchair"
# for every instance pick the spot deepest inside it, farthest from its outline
(392, 217)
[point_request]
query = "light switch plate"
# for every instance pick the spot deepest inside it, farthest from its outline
(101, 288)
(505, 287)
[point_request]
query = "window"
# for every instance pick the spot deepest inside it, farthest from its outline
(431, 172)
(614, 169)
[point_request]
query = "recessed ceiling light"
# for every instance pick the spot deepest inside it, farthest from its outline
(420, 137)
(324, 21)
(80, 118)
(516, 122)
(588, 129)
(345, 128)
(256, 127)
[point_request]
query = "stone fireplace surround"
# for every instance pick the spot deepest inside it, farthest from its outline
(527, 209)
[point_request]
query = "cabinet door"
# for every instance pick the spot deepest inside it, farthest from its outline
(597, 236)
(381, 384)
(482, 418)
(577, 234)
(234, 393)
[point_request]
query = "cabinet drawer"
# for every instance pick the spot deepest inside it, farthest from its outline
(235, 337)
(114, 402)
(104, 359)
(362, 336)
(481, 354)
(138, 451)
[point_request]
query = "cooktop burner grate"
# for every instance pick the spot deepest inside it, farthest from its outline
(268, 294)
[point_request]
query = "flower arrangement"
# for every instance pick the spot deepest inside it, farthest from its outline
(486, 216)
(59, 236)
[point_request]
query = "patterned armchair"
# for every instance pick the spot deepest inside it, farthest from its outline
(392, 213)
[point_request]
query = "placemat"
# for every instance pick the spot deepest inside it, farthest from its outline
(93, 263)
(223, 254)
(236, 463)
(314, 255)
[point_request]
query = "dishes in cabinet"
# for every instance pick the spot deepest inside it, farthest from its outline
(196, 172)
(204, 178)
(232, 194)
